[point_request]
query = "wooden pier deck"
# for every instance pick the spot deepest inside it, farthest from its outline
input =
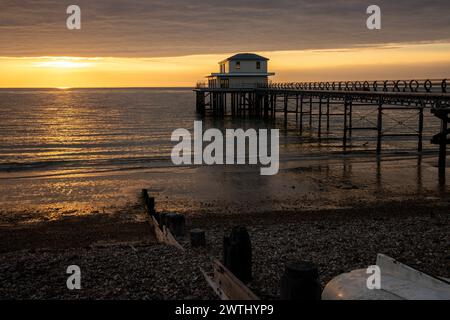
(314, 99)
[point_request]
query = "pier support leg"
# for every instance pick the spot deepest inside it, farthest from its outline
(274, 105)
(328, 114)
(443, 144)
(301, 113)
(319, 132)
(286, 97)
(379, 126)
(200, 102)
(420, 144)
(344, 142)
(442, 140)
(266, 106)
(232, 101)
(350, 119)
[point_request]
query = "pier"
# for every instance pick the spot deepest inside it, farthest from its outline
(318, 102)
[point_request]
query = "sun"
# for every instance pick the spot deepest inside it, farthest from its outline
(63, 63)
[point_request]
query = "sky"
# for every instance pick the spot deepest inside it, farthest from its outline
(178, 42)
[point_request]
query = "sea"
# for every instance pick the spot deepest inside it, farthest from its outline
(87, 151)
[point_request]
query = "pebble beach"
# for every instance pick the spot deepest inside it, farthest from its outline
(132, 265)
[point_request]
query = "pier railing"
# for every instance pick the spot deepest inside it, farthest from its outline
(414, 86)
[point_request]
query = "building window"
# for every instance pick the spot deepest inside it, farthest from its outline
(258, 65)
(238, 65)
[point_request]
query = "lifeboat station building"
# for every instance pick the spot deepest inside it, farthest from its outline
(243, 70)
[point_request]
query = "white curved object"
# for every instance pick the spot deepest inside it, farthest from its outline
(398, 282)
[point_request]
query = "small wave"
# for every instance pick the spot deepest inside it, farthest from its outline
(82, 163)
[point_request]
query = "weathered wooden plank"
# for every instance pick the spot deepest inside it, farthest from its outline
(170, 239)
(160, 236)
(230, 287)
(164, 236)
(214, 286)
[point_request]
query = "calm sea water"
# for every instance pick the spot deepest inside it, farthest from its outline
(91, 148)
(67, 131)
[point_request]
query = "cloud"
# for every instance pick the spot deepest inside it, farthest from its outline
(140, 28)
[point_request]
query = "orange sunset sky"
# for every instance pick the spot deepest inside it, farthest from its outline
(155, 44)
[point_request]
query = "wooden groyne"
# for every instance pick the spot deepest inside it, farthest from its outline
(314, 100)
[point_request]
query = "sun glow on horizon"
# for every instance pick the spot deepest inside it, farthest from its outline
(393, 61)
(63, 64)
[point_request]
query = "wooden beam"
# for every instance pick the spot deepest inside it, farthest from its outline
(164, 235)
(170, 239)
(226, 285)
(214, 286)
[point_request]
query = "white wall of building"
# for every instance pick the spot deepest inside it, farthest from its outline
(246, 82)
(245, 66)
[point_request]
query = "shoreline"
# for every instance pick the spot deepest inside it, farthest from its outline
(124, 261)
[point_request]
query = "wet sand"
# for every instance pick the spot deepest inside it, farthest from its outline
(324, 181)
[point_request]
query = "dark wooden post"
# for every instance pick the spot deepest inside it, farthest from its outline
(162, 219)
(175, 222)
(237, 253)
(144, 194)
(300, 281)
(149, 203)
(198, 238)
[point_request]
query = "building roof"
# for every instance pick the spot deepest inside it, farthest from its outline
(245, 56)
(241, 74)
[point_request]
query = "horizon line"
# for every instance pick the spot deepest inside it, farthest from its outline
(102, 87)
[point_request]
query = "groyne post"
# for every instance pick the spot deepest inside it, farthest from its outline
(237, 253)
(300, 281)
(198, 238)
